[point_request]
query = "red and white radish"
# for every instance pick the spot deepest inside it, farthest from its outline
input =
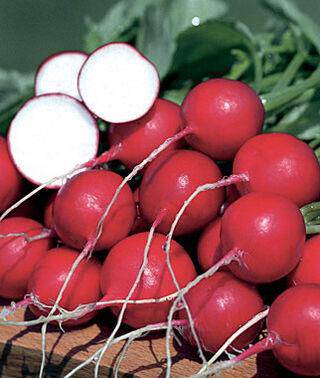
(293, 326)
(156, 281)
(279, 163)
(117, 83)
(50, 274)
(308, 269)
(80, 204)
(132, 142)
(18, 255)
(59, 74)
(51, 135)
(222, 114)
(11, 183)
(167, 183)
(219, 306)
(208, 249)
(268, 231)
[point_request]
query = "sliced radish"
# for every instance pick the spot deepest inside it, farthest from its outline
(50, 135)
(59, 74)
(117, 83)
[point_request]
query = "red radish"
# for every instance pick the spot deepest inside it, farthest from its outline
(156, 281)
(49, 275)
(209, 251)
(279, 163)
(81, 202)
(308, 270)
(48, 211)
(50, 135)
(132, 142)
(117, 83)
(168, 182)
(293, 328)
(223, 114)
(59, 74)
(219, 306)
(232, 194)
(140, 224)
(270, 232)
(10, 180)
(28, 209)
(19, 256)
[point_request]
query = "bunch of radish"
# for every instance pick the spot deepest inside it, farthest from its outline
(108, 240)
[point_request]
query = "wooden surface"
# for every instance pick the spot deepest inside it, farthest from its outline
(20, 354)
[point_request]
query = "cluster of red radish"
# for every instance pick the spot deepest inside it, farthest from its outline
(254, 227)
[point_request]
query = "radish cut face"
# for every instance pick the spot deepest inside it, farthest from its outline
(50, 135)
(59, 74)
(117, 83)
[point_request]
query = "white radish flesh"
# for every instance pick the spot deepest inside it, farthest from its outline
(117, 83)
(59, 74)
(50, 135)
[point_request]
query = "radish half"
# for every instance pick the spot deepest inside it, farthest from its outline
(50, 135)
(59, 74)
(117, 83)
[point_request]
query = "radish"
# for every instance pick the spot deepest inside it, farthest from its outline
(48, 211)
(132, 142)
(167, 183)
(308, 270)
(293, 326)
(18, 255)
(219, 306)
(50, 135)
(223, 114)
(208, 250)
(117, 83)
(262, 236)
(10, 180)
(80, 204)
(49, 275)
(59, 74)
(279, 163)
(127, 256)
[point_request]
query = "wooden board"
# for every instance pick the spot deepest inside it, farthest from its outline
(20, 354)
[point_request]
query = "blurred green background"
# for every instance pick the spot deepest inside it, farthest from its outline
(30, 30)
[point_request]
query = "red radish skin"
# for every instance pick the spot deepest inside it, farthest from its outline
(219, 306)
(223, 114)
(308, 270)
(168, 182)
(28, 209)
(232, 194)
(140, 224)
(18, 257)
(48, 211)
(208, 250)
(156, 281)
(80, 204)
(59, 74)
(106, 73)
(67, 136)
(270, 231)
(279, 163)
(133, 141)
(49, 275)
(293, 326)
(11, 183)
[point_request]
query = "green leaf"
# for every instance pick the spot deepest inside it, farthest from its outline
(165, 20)
(176, 95)
(15, 88)
(118, 19)
(207, 51)
(289, 10)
